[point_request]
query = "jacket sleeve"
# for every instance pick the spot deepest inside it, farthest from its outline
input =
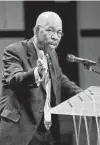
(13, 73)
(68, 86)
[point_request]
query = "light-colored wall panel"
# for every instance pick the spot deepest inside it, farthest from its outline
(88, 47)
(89, 14)
(90, 50)
(11, 15)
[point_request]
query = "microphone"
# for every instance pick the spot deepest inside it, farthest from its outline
(72, 58)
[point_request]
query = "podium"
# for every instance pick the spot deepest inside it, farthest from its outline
(85, 103)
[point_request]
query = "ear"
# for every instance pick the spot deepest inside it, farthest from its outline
(36, 30)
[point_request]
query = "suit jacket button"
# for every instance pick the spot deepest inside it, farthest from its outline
(41, 110)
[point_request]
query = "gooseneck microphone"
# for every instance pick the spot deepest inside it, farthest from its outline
(72, 58)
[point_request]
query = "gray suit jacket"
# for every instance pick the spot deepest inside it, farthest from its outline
(21, 101)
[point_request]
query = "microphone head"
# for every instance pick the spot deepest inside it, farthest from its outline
(70, 57)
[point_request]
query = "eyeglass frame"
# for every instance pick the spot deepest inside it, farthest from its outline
(60, 35)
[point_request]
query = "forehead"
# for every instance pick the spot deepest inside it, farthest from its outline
(54, 22)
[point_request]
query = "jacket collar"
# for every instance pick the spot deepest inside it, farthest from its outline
(31, 53)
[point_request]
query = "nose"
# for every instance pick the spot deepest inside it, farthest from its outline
(55, 35)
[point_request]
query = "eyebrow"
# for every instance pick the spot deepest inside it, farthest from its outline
(53, 28)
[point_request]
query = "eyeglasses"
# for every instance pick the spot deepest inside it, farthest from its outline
(52, 31)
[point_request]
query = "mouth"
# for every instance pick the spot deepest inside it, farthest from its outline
(53, 44)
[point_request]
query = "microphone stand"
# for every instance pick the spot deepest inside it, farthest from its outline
(88, 66)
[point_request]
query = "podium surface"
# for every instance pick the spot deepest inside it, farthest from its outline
(85, 103)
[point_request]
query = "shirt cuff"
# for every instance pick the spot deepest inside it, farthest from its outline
(38, 79)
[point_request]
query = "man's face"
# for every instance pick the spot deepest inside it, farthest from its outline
(50, 34)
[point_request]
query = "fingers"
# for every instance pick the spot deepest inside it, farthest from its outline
(41, 67)
(47, 124)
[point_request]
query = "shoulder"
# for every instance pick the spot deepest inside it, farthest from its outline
(17, 48)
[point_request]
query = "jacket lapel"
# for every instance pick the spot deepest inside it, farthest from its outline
(31, 53)
(32, 58)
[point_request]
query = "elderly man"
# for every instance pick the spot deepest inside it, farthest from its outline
(31, 84)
